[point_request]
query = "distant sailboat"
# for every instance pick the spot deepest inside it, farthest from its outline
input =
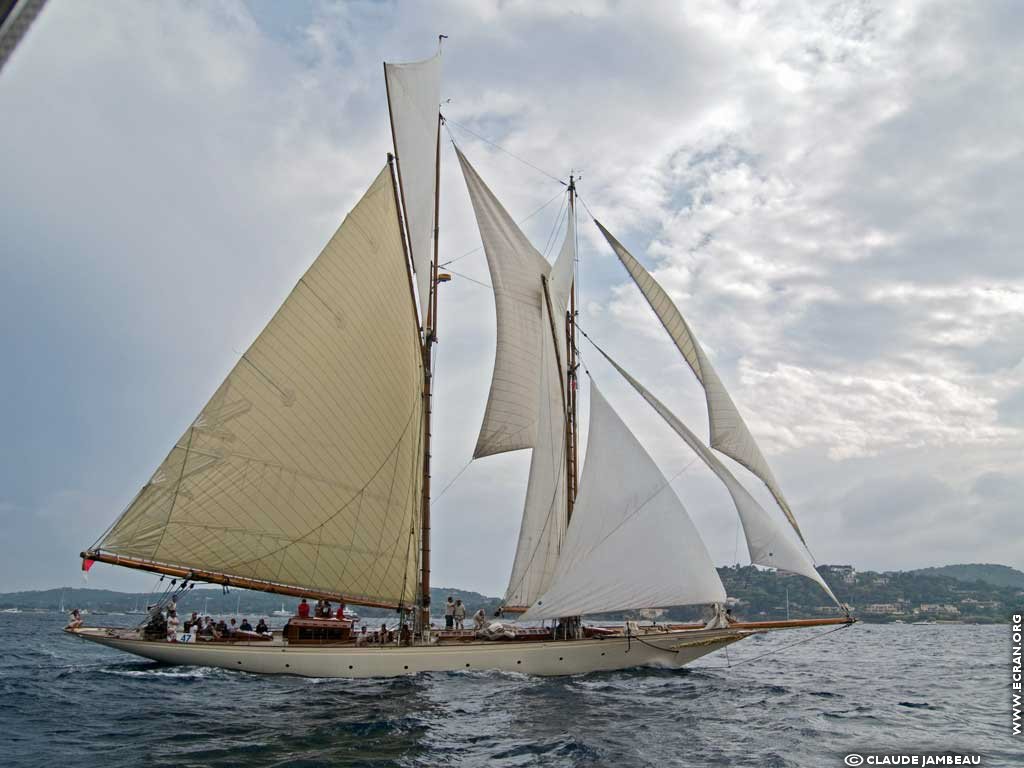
(282, 612)
(308, 472)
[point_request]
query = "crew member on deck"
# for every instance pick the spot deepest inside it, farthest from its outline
(262, 627)
(340, 615)
(459, 614)
(172, 623)
(245, 626)
(449, 613)
(479, 619)
(303, 609)
(327, 609)
(383, 637)
(75, 620)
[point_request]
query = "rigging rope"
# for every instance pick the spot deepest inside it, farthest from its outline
(521, 221)
(471, 132)
(773, 651)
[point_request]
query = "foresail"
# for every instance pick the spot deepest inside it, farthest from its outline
(630, 543)
(729, 432)
(544, 513)
(414, 96)
(517, 269)
(770, 543)
(305, 466)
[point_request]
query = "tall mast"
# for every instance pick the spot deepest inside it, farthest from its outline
(429, 338)
(570, 373)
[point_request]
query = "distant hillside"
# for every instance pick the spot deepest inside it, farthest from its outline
(968, 593)
(996, 575)
(210, 600)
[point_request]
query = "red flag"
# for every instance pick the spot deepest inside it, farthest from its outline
(87, 564)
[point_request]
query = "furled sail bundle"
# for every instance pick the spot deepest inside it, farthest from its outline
(630, 543)
(517, 271)
(729, 433)
(769, 543)
(304, 468)
(414, 95)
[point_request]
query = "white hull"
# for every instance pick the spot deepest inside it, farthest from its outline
(663, 649)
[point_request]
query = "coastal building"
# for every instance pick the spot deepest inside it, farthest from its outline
(844, 573)
(882, 608)
(937, 608)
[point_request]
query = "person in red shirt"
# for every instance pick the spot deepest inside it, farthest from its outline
(340, 615)
(303, 609)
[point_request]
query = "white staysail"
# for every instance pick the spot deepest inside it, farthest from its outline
(770, 543)
(630, 543)
(305, 467)
(544, 513)
(414, 97)
(729, 433)
(517, 270)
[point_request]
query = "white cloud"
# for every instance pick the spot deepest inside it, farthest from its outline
(830, 192)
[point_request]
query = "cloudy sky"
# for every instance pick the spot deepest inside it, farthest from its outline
(831, 192)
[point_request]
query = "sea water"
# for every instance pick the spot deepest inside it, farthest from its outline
(870, 689)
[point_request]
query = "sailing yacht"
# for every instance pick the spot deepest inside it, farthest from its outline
(308, 472)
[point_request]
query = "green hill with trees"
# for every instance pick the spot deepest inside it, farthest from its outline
(964, 593)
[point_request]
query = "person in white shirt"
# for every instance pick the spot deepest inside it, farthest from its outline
(449, 613)
(172, 624)
(459, 614)
(479, 619)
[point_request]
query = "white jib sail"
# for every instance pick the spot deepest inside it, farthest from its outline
(414, 96)
(729, 433)
(305, 466)
(544, 513)
(770, 543)
(630, 543)
(517, 269)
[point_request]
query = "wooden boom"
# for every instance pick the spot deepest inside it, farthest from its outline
(213, 577)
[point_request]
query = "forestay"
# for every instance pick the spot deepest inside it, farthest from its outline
(517, 270)
(630, 543)
(770, 543)
(304, 468)
(414, 96)
(729, 433)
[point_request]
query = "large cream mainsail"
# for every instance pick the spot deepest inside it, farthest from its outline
(414, 95)
(517, 269)
(770, 543)
(729, 432)
(305, 466)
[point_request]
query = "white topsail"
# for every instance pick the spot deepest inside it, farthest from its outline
(304, 468)
(729, 433)
(560, 286)
(630, 543)
(770, 543)
(414, 96)
(517, 269)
